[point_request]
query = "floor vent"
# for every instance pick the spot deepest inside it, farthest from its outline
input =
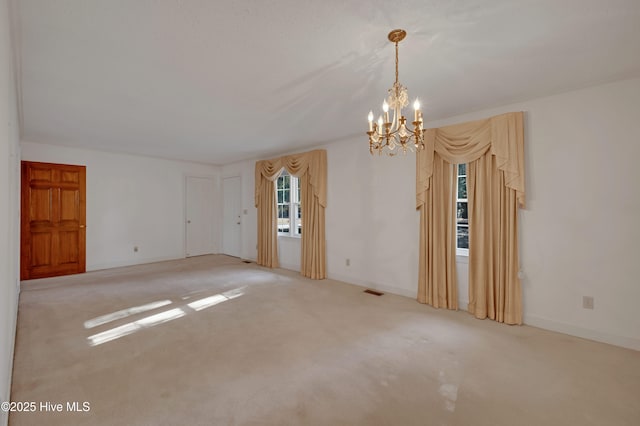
(246, 261)
(375, 293)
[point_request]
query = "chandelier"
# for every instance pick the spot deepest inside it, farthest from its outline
(395, 136)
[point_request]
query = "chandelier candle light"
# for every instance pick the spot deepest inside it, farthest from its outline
(394, 136)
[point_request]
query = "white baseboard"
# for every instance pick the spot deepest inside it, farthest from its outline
(585, 333)
(130, 262)
(463, 305)
(290, 267)
(412, 294)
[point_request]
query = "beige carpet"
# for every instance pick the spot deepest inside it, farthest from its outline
(227, 343)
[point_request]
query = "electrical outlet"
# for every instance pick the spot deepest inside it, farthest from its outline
(587, 302)
(347, 262)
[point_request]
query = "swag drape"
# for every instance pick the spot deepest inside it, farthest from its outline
(494, 150)
(311, 168)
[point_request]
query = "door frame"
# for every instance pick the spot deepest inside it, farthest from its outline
(25, 229)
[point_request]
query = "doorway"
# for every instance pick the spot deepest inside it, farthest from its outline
(200, 216)
(231, 221)
(52, 220)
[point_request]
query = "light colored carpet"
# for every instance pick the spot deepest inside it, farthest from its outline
(228, 343)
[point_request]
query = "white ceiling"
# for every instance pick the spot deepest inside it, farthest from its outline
(220, 81)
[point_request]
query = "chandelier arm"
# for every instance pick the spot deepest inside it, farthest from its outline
(393, 132)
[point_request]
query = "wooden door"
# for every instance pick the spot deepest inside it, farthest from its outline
(52, 216)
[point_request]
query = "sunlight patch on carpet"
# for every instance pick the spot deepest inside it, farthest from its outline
(132, 327)
(210, 301)
(104, 319)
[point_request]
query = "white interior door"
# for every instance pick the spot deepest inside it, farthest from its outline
(200, 216)
(231, 216)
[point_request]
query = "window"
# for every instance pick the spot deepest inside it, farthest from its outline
(288, 200)
(462, 212)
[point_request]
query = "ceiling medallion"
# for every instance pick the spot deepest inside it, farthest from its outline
(394, 136)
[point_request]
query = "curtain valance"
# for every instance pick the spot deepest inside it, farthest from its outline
(502, 135)
(312, 162)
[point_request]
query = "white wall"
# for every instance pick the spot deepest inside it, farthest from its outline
(9, 208)
(371, 219)
(131, 201)
(579, 232)
(289, 252)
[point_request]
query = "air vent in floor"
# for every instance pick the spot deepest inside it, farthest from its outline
(375, 293)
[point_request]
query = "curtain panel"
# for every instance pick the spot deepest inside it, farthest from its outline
(311, 168)
(494, 150)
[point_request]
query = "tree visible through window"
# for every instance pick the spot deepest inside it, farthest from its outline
(288, 201)
(462, 212)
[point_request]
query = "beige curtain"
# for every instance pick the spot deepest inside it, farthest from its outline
(311, 168)
(437, 285)
(494, 149)
(267, 225)
(493, 244)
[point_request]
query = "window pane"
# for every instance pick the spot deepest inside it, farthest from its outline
(462, 187)
(463, 214)
(283, 211)
(463, 237)
(283, 225)
(298, 221)
(288, 196)
(283, 218)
